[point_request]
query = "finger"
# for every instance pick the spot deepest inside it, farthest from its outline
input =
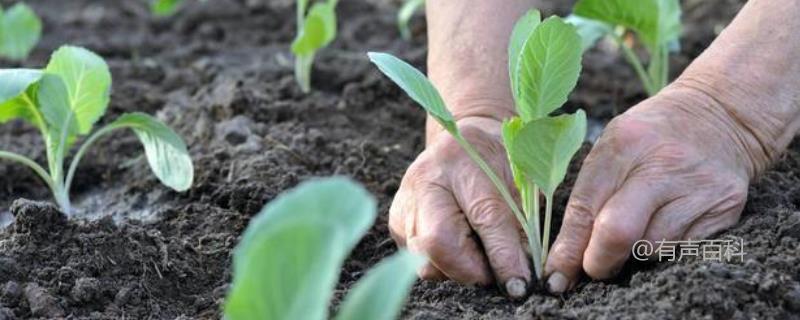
(672, 220)
(724, 215)
(402, 208)
(498, 229)
(622, 221)
(431, 273)
(442, 233)
(596, 182)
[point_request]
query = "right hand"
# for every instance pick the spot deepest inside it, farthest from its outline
(445, 201)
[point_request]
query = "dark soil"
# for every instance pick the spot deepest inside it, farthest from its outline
(221, 74)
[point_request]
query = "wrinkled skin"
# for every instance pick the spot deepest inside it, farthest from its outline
(676, 166)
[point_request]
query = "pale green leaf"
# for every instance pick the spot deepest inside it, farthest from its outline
(53, 99)
(510, 130)
(543, 148)
(319, 29)
(286, 273)
(657, 22)
(165, 8)
(290, 256)
(416, 85)
(18, 89)
(548, 69)
(382, 292)
(589, 30)
(165, 151)
(14, 82)
(88, 82)
(519, 35)
(20, 30)
(404, 16)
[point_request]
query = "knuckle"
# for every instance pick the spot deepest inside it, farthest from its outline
(613, 234)
(579, 214)
(486, 213)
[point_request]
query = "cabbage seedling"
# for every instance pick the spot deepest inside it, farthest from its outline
(315, 30)
(544, 64)
(404, 16)
(63, 101)
(166, 8)
(20, 30)
(289, 258)
(657, 23)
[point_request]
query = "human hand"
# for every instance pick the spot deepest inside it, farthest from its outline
(674, 167)
(445, 201)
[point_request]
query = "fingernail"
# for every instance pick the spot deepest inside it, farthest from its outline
(557, 283)
(516, 288)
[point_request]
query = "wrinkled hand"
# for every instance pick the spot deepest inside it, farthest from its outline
(672, 167)
(445, 204)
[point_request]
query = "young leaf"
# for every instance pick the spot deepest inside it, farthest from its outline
(17, 96)
(589, 30)
(165, 8)
(53, 99)
(511, 128)
(382, 292)
(286, 273)
(548, 69)
(20, 30)
(544, 147)
(519, 35)
(289, 258)
(319, 29)
(88, 82)
(14, 82)
(165, 150)
(656, 22)
(62, 126)
(416, 85)
(405, 14)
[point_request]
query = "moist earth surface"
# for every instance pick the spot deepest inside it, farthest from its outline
(220, 73)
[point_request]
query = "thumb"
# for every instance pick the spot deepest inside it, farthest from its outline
(499, 232)
(596, 182)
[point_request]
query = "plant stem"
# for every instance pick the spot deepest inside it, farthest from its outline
(499, 184)
(548, 216)
(55, 188)
(633, 59)
(81, 151)
(538, 263)
(302, 71)
(31, 164)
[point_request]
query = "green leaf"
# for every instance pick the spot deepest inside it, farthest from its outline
(319, 29)
(165, 150)
(14, 82)
(416, 85)
(53, 99)
(549, 68)
(543, 148)
(657, 22)
(589, 30)
(88, 82)
(404, 16)
(20, 30)
(521, 33)
(382, 292)
(510, 130)
(165, 8)
(18, 89)
(290, 256)
(62, 128)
